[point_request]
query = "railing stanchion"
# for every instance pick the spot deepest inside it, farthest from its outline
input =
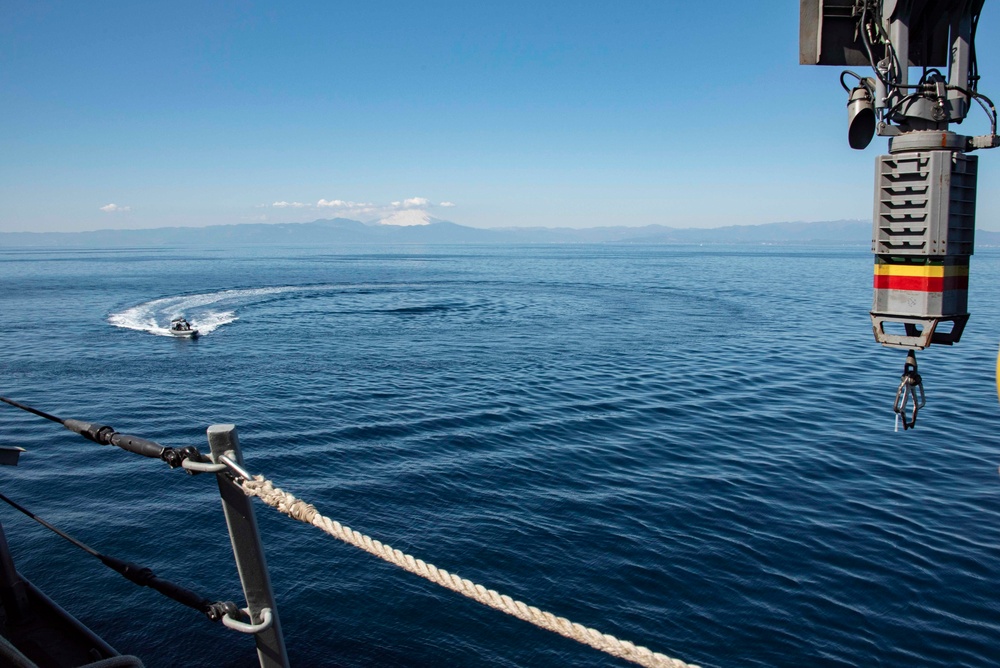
(247, 549)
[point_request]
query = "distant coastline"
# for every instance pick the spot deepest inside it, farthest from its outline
(343, 231)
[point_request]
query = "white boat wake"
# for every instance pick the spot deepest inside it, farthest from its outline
(206, 312)
(210, 310)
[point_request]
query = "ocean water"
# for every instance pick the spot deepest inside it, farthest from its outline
(688, 447)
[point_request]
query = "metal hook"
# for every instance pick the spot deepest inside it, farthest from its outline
(236, 625)
(911, 391)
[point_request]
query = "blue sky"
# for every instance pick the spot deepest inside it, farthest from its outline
(510, 114)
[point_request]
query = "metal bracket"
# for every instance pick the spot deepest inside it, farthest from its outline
(919, 332)
(9, 454)
(886, 130)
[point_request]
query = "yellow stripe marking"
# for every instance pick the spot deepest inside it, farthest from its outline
(927, 271)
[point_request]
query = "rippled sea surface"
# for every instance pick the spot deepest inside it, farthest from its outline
(687, 447)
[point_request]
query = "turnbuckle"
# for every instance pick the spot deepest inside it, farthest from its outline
(911, 391)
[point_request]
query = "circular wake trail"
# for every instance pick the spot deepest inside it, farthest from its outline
(206, 311)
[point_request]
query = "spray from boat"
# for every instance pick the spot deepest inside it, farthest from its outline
(204, 312)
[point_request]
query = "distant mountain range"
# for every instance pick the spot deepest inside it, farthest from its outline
(343, 231)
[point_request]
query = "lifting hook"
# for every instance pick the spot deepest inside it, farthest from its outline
(911, 391)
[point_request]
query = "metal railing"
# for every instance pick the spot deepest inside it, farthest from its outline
(226, 462)
(237, 487)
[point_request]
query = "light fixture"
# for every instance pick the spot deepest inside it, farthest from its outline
(860, 118)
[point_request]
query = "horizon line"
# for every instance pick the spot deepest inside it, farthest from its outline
(376, 224)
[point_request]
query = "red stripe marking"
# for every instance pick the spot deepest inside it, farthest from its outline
(921, 283)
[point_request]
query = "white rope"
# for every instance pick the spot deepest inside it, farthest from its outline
(304, 512)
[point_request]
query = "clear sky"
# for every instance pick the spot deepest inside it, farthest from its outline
(579, 114)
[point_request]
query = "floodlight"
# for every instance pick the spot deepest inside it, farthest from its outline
(860, 118)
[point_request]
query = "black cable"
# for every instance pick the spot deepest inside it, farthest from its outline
(86, 548)
(140, 575)
(923, 76)
(993, 124)
(903, 100)
(973, 62)
(105, 435)
(991, 111)
(33, 410)
(892, 80)
(866, 42)
(870, 27)
(861, 81)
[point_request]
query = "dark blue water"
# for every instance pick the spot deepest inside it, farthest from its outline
(691, 448)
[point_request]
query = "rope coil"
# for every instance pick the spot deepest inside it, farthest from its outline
(297, 509)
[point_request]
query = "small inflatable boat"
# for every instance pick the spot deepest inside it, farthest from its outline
(181, 327)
